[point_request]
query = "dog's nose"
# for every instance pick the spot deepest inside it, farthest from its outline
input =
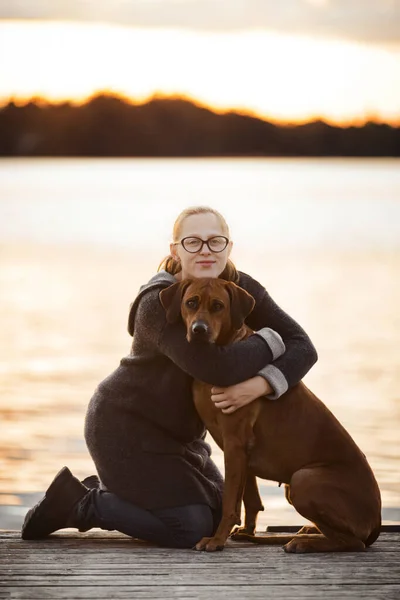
(199, 327)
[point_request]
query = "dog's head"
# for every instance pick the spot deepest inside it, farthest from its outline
(212, 309)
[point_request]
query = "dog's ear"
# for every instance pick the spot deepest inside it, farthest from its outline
(242, 303)
(171, 298)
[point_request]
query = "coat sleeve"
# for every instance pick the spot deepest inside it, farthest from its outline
(210, 363)
(300, 354)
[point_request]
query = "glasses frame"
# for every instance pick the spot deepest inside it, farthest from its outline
(206, 242)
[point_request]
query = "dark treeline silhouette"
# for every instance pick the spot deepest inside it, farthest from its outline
(111, 126)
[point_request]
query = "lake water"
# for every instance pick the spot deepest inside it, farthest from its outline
(78, 238)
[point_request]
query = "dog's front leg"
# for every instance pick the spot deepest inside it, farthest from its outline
(235, 476)
(235, 458)
(252, 504)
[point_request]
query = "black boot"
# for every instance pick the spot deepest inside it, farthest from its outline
(54, 509)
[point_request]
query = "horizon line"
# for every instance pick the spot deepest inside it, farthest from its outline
(359, 121)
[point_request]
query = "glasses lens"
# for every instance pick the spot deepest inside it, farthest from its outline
(217, 244)
(192, 244)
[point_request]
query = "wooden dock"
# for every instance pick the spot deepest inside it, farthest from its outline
(109, 565)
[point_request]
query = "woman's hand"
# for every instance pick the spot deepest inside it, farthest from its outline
(229, 399)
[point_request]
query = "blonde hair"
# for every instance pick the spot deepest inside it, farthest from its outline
(173, 267)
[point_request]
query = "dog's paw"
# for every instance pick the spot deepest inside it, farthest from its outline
(297, 546)
(307, 529)
(209, 544)
(240, 534)
(201, 545)
(237, 531)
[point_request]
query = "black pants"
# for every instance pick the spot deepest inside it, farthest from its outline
(177, 527)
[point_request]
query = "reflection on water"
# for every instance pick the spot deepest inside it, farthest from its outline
(64, 308)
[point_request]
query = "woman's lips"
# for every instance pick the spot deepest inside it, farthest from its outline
(206, 262)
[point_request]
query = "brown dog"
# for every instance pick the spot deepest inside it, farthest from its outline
(295, 440)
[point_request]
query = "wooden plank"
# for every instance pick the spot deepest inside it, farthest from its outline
(54, 567)
(290, 570)
(234, 553)
(293, 528)
(81, 562)
(206, 592)
(157, 579)
(109, 565)
(99, 535)
(253, 555)
(94, 533)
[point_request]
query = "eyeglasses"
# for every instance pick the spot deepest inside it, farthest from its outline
(216, 244)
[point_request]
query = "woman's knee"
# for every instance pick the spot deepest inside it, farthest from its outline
(188, 524)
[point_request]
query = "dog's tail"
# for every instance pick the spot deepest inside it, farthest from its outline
(373, 536)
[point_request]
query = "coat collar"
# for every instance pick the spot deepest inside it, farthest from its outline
(160, 280)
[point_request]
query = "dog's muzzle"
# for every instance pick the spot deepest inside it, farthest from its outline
(200, 328)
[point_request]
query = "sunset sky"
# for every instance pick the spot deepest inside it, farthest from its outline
(291, 61)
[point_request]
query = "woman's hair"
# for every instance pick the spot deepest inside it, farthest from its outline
(172, 266)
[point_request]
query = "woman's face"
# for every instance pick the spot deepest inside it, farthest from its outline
(204, 262)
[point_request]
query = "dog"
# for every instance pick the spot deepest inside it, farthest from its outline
(294, 440)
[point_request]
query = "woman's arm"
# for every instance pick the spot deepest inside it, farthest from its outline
(213, 364)
(300, 354)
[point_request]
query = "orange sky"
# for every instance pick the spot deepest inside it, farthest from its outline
(278, 76)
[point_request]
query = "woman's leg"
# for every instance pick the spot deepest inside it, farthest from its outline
(68, 503)
(188, 524)
(177, 527)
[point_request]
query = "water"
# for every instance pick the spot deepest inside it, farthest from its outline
(78, 237)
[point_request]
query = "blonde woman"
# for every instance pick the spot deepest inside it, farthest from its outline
(156, 480)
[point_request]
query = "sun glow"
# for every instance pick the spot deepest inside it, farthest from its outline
(276, 76)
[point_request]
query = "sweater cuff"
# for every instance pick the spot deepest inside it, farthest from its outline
(276, 379)
(273, 340)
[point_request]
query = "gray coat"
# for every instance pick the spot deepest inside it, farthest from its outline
(141, 428)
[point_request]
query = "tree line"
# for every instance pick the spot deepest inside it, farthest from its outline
(107, 125)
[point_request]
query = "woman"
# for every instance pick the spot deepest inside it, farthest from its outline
(157, 481)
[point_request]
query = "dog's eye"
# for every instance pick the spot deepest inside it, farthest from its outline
(191, 304)
(216, 306)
